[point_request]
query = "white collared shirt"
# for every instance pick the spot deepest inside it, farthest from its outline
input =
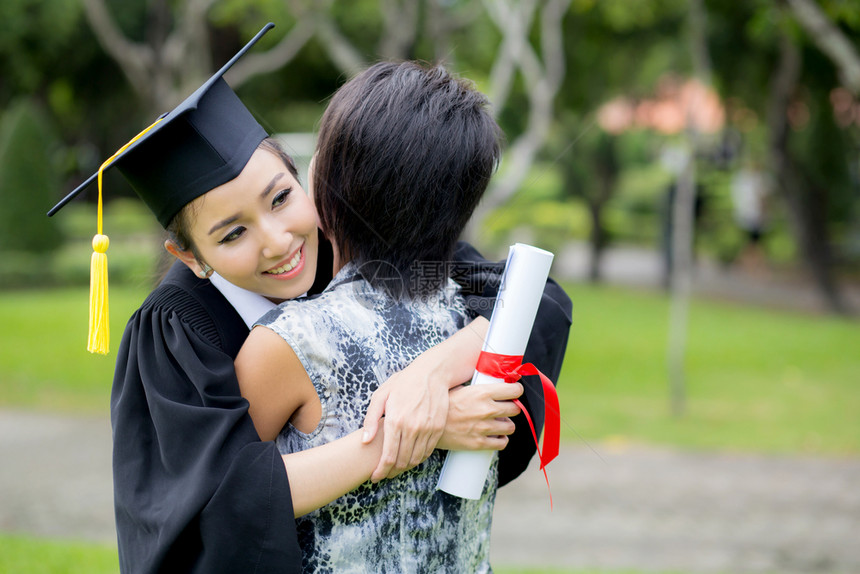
(250, 306)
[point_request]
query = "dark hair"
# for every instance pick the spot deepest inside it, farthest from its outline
(178, 230)
(404, 154)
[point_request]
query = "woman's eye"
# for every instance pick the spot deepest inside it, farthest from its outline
(233, 235)
(281, 197)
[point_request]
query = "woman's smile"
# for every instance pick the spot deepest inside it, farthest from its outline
(290, 268)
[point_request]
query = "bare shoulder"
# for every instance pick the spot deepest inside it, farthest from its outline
(273, 380)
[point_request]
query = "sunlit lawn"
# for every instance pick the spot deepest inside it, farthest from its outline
(27, 555)
(757, 380)
(44, 363)
(18, 555)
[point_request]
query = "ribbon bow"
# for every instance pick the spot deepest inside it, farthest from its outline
(510, 368)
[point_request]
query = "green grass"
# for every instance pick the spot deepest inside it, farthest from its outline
(44, 363)
(756, 380)
(23, 554)
(20, 554)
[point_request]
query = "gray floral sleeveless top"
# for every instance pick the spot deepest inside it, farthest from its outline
(350, 339)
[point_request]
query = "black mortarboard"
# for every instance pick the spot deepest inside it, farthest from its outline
(202, 143)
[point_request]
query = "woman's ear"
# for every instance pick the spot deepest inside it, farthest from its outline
(187, 257)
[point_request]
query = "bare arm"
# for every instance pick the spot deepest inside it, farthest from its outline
(322, 474)
(276, 385)
(278, 389)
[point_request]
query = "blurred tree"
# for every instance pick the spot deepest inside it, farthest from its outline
(683, 207)
(542, 71)
(590, 170)
(175, 55)
(612, 49)
(425, 29)
(35, 36)
(28, 180)
(830, 39)
(47, 56)
(538, 60)
(788, 80)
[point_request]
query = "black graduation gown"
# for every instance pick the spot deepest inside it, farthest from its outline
(195, 490)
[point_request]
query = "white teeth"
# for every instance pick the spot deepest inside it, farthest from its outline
(289, 266)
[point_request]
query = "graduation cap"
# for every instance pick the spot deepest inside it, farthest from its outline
(204, 142)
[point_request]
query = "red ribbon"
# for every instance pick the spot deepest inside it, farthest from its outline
(510, 368)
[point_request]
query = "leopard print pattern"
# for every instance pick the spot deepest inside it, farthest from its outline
(350, 339)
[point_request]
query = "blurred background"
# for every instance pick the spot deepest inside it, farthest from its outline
(693, 164)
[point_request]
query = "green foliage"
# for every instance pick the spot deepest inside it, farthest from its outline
(250, 15)
(37, 556)
(28, 180)
(843, 11)
(622, 16)
(33, 38)
(132, 256)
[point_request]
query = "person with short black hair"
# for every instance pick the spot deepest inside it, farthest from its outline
(404, 154)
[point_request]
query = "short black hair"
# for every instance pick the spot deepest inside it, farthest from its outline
(405, 151)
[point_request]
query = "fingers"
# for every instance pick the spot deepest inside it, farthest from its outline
(390, 447)
(495, 443)
(500, 427)
(374, 413)
(503, 391)
(416, 444)
(404, 453)
(497, 398)
(507, 409)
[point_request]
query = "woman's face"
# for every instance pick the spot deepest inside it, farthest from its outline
(259, 231)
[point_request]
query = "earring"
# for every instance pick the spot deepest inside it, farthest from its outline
(206, 271)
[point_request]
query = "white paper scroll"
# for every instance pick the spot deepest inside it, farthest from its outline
(465, 472)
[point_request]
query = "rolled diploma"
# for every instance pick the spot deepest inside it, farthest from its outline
(526, 270)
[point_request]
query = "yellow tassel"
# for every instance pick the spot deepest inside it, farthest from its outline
(98, 340)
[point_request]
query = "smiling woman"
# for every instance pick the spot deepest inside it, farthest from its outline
(258, 230)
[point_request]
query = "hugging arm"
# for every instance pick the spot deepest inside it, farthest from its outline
(274, 382)
(413, 399)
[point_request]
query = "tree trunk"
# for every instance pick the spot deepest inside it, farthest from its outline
(681, 278)
(806, 205)
(606, 167)
(683, 221)
(597, 241)
(830, 40)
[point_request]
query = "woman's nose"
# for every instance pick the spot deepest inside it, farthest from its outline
(277, 241)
